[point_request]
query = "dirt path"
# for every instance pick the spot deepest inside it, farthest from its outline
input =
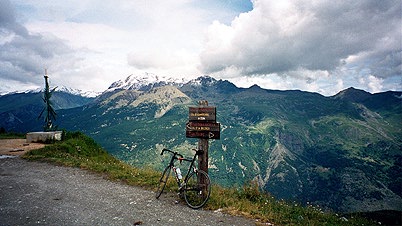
(17, 147)
(41, 193)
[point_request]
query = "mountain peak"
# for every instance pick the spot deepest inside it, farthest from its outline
(145, 81)
(352, 94)
(255, 87)
(78, 92)
(203, 81)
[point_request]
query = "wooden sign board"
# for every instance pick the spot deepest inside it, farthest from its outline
(203, 135)
(205, 130)
(202, 113)
(203, 126)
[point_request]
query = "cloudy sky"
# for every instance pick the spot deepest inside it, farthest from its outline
(312, 45)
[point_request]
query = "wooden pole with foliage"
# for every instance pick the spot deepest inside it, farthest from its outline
(50, 113)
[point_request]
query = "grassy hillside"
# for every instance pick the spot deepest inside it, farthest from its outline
(78, 150)
(10, 135)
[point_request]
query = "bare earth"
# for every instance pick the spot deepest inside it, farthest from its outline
(17, 147)
(46, 194)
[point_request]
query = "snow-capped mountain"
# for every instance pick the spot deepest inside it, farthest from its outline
(202, 81)
(144, 81)
(77, 92)
(35, 90)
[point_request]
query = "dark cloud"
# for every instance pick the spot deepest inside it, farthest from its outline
(6, 13)
(24, 55)
(323, 35)
(8, 22)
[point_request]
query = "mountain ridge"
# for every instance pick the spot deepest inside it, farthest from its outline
(143, 82)
(65, 89)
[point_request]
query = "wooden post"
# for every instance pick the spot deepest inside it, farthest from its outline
(203, 159)
(203, 145)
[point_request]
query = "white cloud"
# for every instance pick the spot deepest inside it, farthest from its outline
(308, 40)
(25, 54)
(162, 37)
(103, 41)
(319, 46)
(375, 84)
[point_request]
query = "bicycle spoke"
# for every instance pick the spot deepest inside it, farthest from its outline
(195, 194)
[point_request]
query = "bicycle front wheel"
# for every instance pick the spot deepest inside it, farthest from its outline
(162, 182)
(197, 189)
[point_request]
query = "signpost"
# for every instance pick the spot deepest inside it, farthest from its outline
(202, 124)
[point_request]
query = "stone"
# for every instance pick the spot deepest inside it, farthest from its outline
(43, 137)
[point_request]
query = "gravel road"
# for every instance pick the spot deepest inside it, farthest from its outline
(33, 193)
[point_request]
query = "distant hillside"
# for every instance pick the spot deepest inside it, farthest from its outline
(386, 101)
(19, 111)
(353, 95)
(342, 152)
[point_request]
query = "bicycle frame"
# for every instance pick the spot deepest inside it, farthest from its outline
(181, 158)
(191, 167)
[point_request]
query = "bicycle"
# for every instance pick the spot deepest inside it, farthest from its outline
(196, 186)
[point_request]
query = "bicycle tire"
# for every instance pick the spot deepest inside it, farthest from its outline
(162, 182)
(196, 195)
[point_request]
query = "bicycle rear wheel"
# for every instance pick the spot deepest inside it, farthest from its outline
(162, 182)
(197, 189)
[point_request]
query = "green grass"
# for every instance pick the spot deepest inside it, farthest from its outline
(250, 202)
(10, 135)
(78, 150)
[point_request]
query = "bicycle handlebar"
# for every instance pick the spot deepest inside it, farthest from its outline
(164, 151)
(174, 153)
(181, 157)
